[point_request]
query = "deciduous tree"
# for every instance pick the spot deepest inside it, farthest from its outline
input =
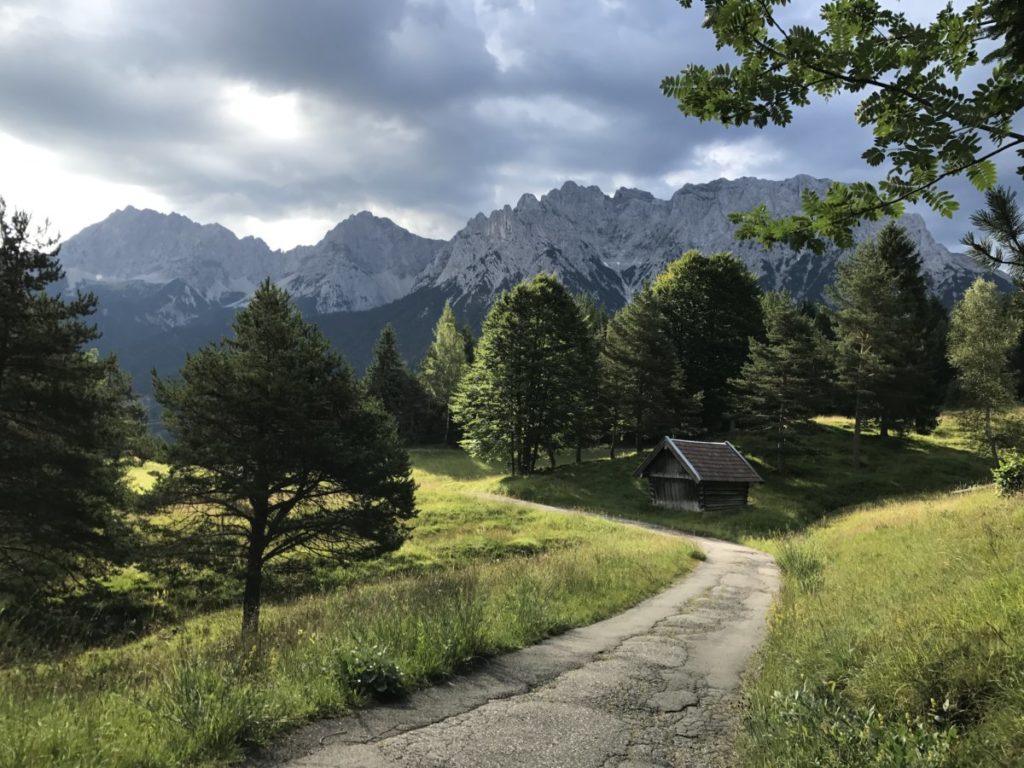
(942, 98)
(444, 363)
(516, 401)
(982, 333)
(711, 309)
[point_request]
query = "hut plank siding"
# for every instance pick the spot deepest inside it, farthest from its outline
(698, 476)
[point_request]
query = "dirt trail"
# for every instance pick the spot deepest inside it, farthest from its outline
(656, 685)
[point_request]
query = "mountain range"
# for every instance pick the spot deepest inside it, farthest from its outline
(168, 284)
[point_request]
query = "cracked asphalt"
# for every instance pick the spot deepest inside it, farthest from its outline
(656, 685)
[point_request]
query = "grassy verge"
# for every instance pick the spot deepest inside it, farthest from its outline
(475, 578)
(899, 640)
(817, 482)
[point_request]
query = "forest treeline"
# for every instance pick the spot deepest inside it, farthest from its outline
(703, 351)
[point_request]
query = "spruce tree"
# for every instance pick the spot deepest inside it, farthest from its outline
(517, 399)
(389, 380)
(586, 426)
(444, 363)
(711, 305)
(67, 417)
(276, 448)
(870, 316)
(643, 384)
(913, 395)
(982, 333)
(785, 382)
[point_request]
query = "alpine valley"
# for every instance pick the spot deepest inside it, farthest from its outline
(166, 284)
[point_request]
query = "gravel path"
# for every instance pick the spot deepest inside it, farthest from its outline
(657, 685)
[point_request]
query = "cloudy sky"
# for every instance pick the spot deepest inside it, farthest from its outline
(279, 119)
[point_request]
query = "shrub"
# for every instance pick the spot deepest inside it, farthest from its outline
(371, 672)
(1009, 475)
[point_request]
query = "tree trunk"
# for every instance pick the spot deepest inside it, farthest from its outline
(252, 597)
(551, 457)
(614, 443)
(636, 439)
(447, 422)
(856, 433)
(989, 437)
(779, 439)
(579, 452)
(883, 428)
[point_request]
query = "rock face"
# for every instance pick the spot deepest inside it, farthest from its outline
(609, 246)
(364, 262)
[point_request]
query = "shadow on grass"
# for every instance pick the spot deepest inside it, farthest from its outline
(453, 463)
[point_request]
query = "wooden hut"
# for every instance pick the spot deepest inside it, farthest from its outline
(700, 476)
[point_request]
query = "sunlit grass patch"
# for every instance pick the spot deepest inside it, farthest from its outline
(475, 578)
(899, 640)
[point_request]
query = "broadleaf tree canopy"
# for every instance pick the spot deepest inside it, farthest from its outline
(942, 99)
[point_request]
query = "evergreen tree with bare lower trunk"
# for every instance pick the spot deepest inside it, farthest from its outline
(869, 316)
(277, 448)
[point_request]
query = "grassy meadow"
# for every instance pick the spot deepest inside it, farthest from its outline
(476, 577)
(898, 640)
(818, 481)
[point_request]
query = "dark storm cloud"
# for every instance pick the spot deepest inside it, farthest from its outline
(438, 109)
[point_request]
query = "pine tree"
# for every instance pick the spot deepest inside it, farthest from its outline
(784, 383)
(982, 333)
(643, 384)
(870, 315)
(711, 305)
(389, 380)
(444, 363)
(67, 417)
(278, 449)
(517, 398)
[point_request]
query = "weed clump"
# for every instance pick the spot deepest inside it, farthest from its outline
(371, 672)
(1009, 475)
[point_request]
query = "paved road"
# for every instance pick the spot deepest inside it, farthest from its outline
(656, 685)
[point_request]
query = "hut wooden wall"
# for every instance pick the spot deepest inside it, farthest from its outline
(676, 492)
(721, 496)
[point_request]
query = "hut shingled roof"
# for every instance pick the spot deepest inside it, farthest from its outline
(710, 462)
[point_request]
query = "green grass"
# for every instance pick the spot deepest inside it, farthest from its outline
(475, 578)
(898, 641)
(817, 482)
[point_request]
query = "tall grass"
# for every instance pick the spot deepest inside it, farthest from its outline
(475, 579)
(899, 640)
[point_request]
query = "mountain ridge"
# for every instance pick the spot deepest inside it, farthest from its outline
(172, 282)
